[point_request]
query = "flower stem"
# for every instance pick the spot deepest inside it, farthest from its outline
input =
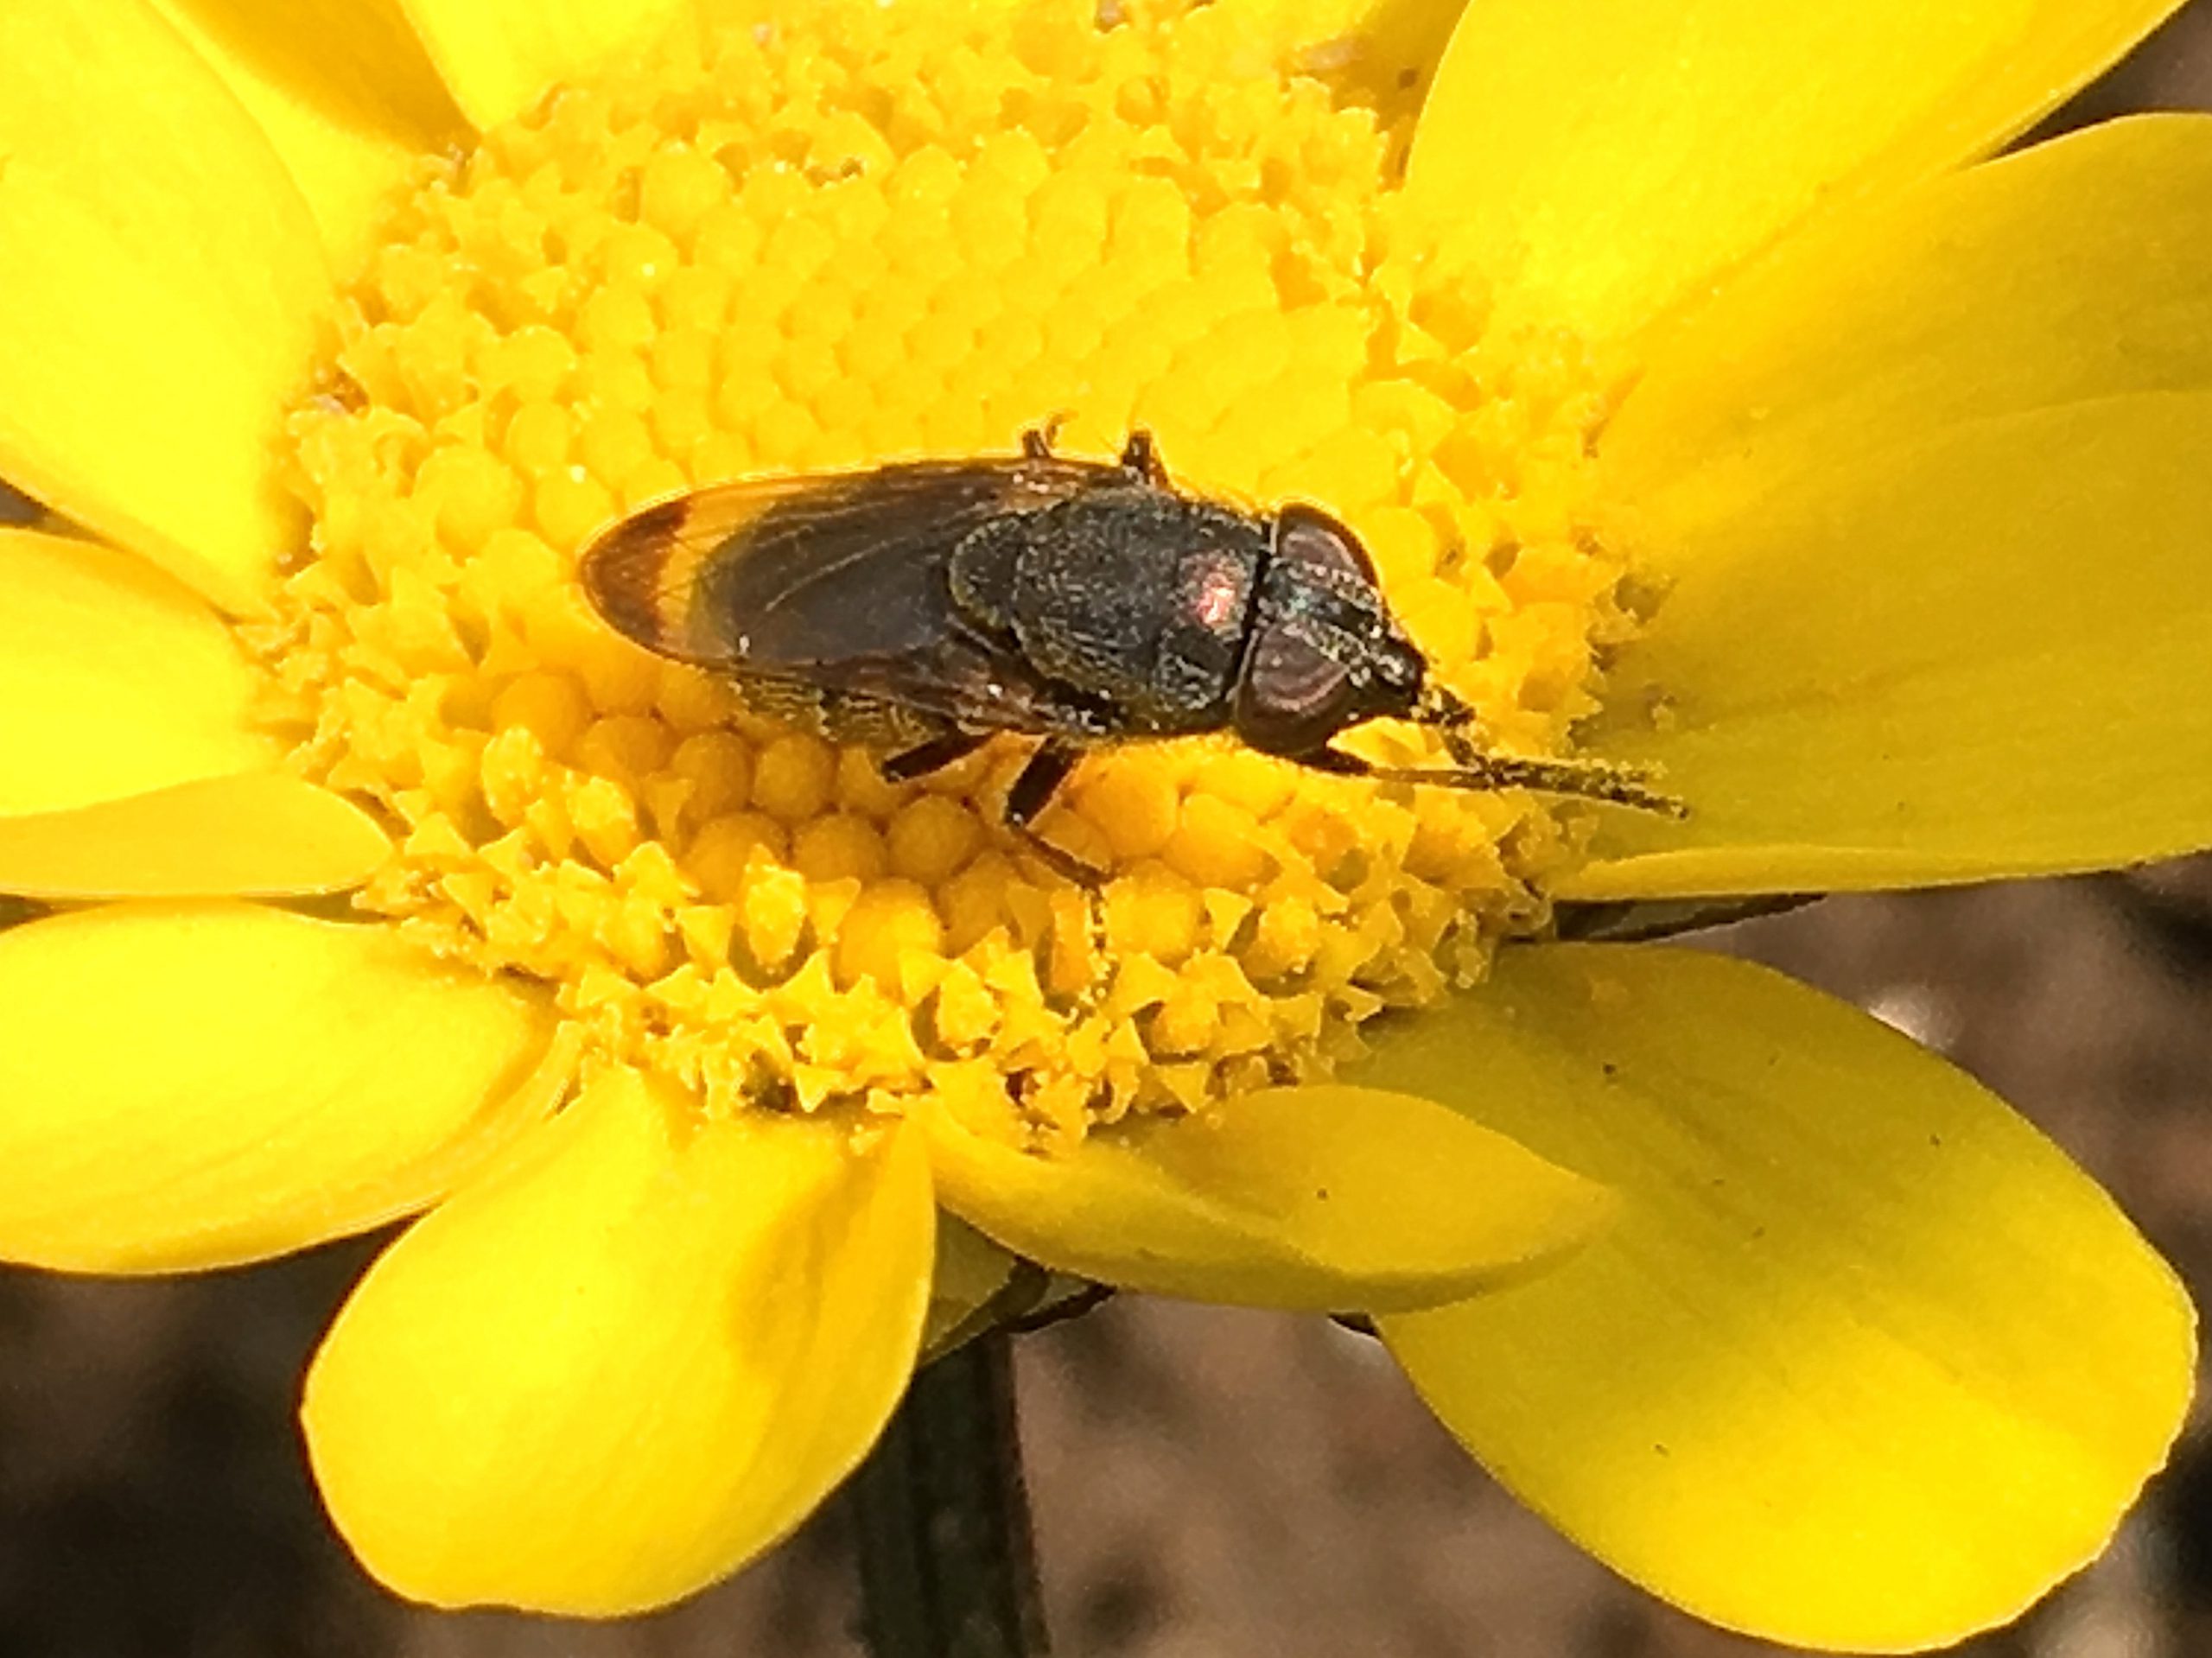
(947, 1566)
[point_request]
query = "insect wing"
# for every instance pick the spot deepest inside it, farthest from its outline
(788, 573)
(643, 575)
(839, 582)
(848, 588)
(856, 568)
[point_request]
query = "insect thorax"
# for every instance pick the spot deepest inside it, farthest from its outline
(1136, 596)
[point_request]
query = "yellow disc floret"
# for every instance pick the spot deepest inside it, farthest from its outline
(877, 232)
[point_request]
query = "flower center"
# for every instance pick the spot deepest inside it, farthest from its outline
(879, 232)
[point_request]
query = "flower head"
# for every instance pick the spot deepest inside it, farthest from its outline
(1680, 423)
(802, 249)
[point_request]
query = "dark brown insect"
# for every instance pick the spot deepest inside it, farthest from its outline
(925, 606)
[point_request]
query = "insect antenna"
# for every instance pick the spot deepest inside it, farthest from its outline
(1475, 767)
(1605, 780)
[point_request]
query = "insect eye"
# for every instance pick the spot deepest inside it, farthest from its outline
(1293, 696)
(1309, 537)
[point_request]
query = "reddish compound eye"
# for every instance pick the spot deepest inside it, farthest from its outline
(1320, 618)
(1294, 697)
(1310, 538)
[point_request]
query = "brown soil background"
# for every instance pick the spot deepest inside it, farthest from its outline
(1206, 1481)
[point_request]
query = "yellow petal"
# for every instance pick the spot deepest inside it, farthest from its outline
(128, 765)
(2068, 271)
(344, 91)
(1321, 1198)
(1986, 656)
(635, 1357)
(191, 1085)
(163, 285)
(1604, 162)
(1865, 1363)
(498, 56)
(114, 680)
(258, 833)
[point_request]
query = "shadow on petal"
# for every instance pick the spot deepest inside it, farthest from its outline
(1319, 1198)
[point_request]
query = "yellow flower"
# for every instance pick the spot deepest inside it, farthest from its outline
(1702, 396)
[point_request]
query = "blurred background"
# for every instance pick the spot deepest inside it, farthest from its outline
(1206, 1481)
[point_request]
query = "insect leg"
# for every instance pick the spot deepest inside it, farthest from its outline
(1039, 780)
(932, 754)
(1036, 442)
(1140, 458)
(1047, 768)
(1605, 780)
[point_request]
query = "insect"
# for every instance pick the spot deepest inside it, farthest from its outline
(925, 606)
